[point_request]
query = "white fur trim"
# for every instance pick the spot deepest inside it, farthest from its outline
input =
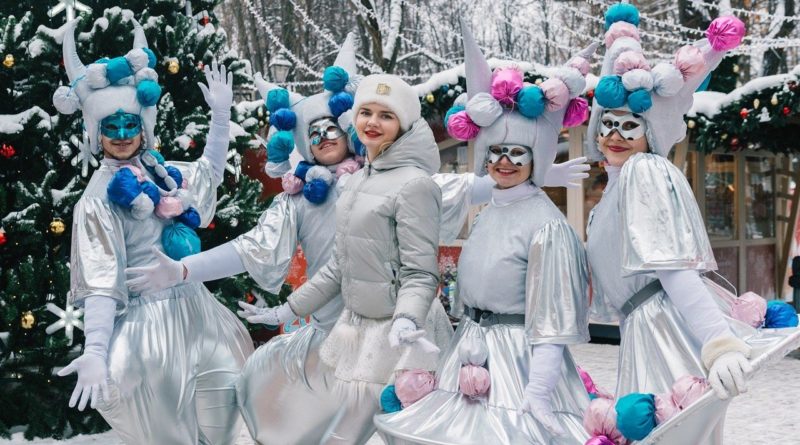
(574, 80)
(96, 76)
(718, 346)
(137, 59)
(319, 172)
(146, 74)
(484, 109)
(142, 207)
(667, 79)
(637, 79)
(65, 100)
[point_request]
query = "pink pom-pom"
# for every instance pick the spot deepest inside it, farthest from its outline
(348, 166)
(580, 64)
(689, 61)
(599, 440)
(506, 83)
(749, 308)
(291, 183)
(461, 127)
(577, 112)
(621, 29)
(600, 419)
(665, 407)
(412, 385)
(725, 33)
(169, 207)
(588, 383)
(473, 381)
(137, 172)
(630, 60)
(687, 389)
(556, 93)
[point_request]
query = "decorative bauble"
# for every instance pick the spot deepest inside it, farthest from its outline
(756, 103)
(211, 225)
(65, 151)
(590, 94)
(205, 20)
(173, 67)
(734, 141)
(786, 111)
(201, 65)
(743, 113)
(7, 151)
(735, 68)
(724, 136)
(192, 143)
(57, 226)
(691, 123)
(261, 123)
(430, 98)
(27, 320)
(8, 61)
(3, 238)
(774, 100)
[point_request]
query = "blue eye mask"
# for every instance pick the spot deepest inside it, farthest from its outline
(121, 125)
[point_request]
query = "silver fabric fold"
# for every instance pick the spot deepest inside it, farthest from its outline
(456, 191)
(200, 182)
(448, 417)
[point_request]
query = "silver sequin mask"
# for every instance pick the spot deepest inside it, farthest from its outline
(324, 128)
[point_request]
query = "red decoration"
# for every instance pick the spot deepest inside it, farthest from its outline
(734, 142)
(743, 113)
(249, 297)
(192, 143)
(205, 20)
(792, 85)
(3, 238)
(211, 225)
(786, 111)
(201, 65)
(7, 151)
(590, 94)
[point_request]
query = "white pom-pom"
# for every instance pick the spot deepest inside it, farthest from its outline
(96, 76)
(146, 74)
(484, 109)
(472, 351)
(319, 172)
(575, 81)
(65, 100)
(137, 59)
(142, 207)
(667, 79)
(636, 79)
(461, 100)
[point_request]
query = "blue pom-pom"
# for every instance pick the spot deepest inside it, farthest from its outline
(780, 315)
(622, 12)
(151, 57)
(453, 110)
(277, 99)
(279, 147)
(531, 101)
(389, 401)
(636, 415)
(335, 78)
(179, 241)
(283, 119)
(148, 92)
(339, 103)
(151, 190)
(157, 155)
(358, 147)
(316, 191)
(610, 93)
(118, 69)
(190, 217)
(302, 169)
(175, 174)
(123, 188)
(102, 60)
(639, 100)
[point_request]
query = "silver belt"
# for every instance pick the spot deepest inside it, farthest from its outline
(641, 296)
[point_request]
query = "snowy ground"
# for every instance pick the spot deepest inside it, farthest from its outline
(767, 414)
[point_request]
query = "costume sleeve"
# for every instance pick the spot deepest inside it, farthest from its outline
(267, 249)
(417, 216)
(459, 192)
(556, 287)
(663, 228)
(98, 259)
(201, 185)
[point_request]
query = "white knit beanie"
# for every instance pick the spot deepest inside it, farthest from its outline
(391, 92)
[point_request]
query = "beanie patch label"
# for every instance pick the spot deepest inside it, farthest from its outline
(383, 89)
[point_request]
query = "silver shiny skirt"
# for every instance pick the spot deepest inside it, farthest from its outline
(448, 417)
(173, 362)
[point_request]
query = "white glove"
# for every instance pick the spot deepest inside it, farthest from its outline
(405, 332)
(272, 316)
(727, 374)
(545, 369)
(568, 174)
(162, 274)
(219, 92)
(91, 366)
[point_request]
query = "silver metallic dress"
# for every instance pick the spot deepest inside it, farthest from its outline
(174, 355)
(648, 220)
(521, 258)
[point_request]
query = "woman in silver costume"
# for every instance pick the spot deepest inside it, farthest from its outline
(160, 367)
(532, 301)
(647, 243)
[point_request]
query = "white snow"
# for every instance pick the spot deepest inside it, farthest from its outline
(35, 47)
(765, 414)
(706, 103)
(709, 103)
(236, 130)
(249, 122)
(14, 123)
(183, 141)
